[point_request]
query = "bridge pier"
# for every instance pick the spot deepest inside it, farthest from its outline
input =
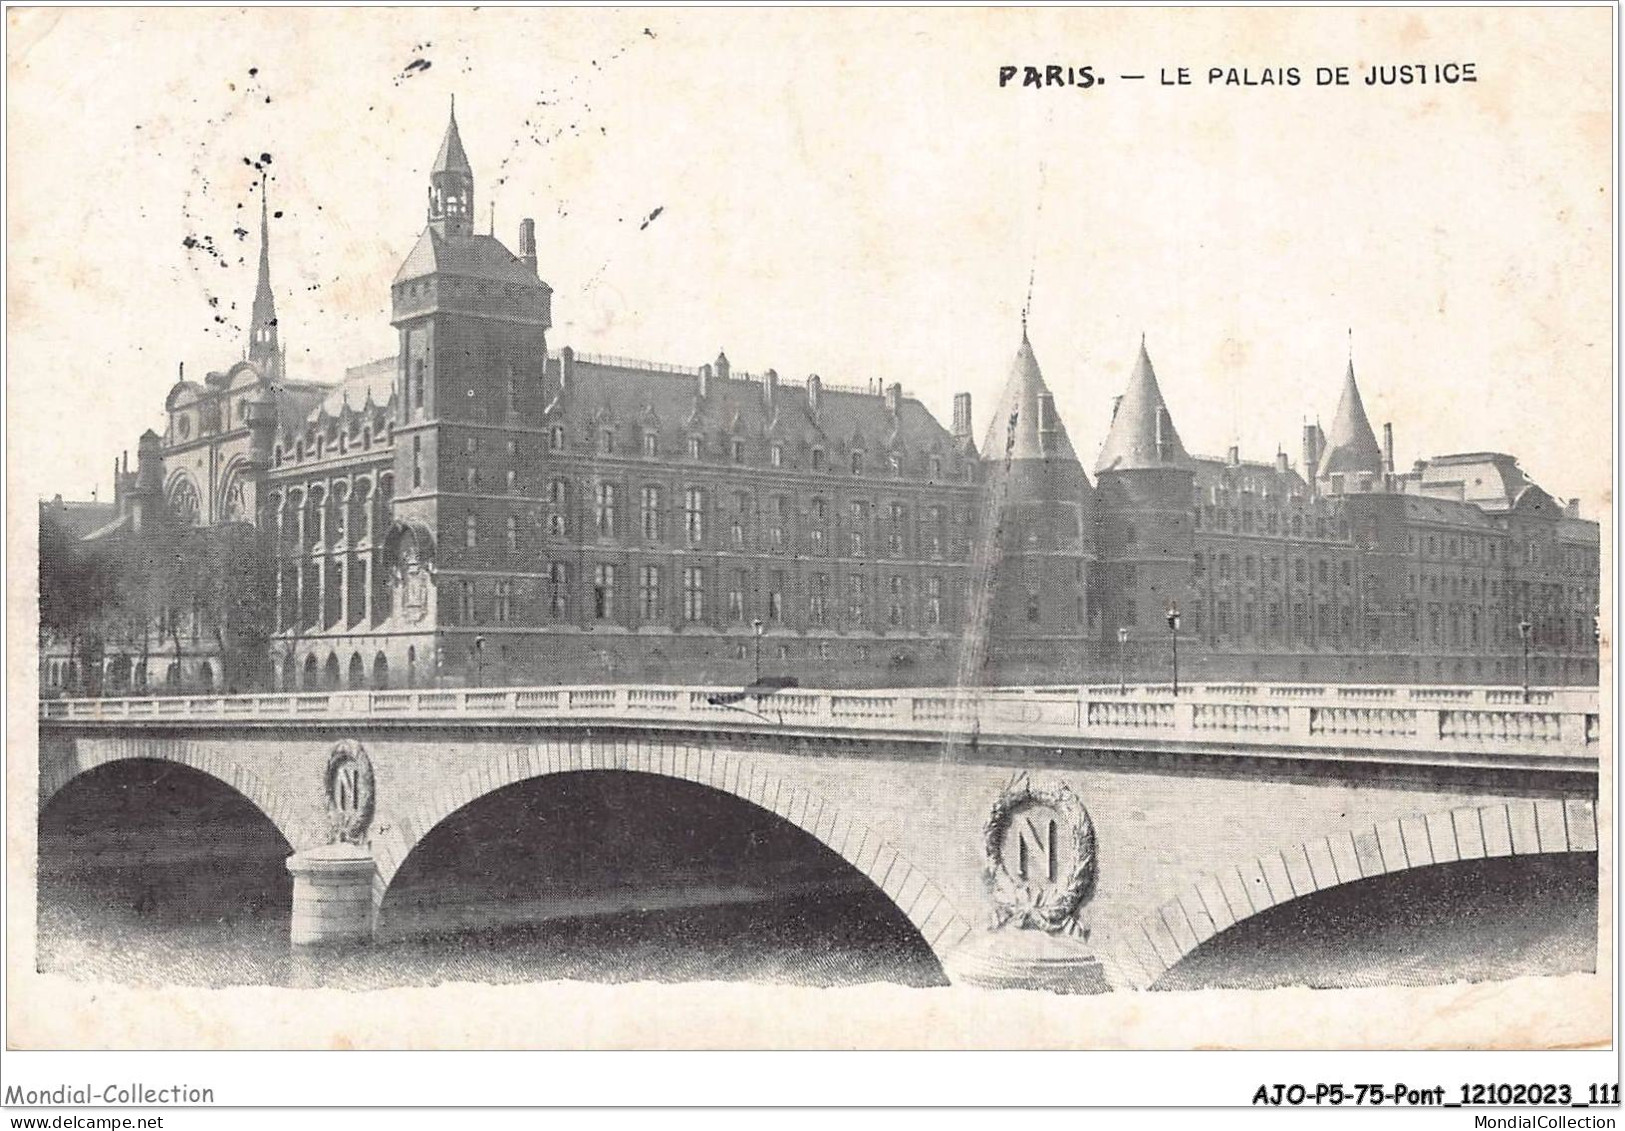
(1026, 960)
(332, 895)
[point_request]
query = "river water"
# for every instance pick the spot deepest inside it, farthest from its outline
(156, 876)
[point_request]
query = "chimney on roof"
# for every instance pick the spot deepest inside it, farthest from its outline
(1280, 461)
(1572, 507)
(962, 424)
(814, 388)
(1388, 448)
(770, 392)
(894, 397)
(704, 389)
(527, 244)
(722, 366)
(567, 369)
(1233, 456)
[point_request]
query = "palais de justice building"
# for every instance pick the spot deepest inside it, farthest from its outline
(482, 509)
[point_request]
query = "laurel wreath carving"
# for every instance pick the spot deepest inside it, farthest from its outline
(1022, 902)
(350, 826)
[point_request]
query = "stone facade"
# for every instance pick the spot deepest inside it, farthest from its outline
(485, 509)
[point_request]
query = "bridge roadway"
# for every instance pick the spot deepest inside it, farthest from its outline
(1175, 816)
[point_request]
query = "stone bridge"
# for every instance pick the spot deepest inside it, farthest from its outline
(1071, 838)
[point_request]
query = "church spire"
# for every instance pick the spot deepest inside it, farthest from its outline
(1351, 447)
(451, 184)
(264, 349)
(1142, 433)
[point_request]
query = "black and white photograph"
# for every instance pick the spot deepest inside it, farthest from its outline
(824, 528)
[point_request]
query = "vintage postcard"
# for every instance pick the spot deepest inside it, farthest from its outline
(818, 528)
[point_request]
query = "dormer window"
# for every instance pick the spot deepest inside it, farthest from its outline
(775, 455)
(739, 451)
(818, 459)
(896, 462)
(694, 446)
(555, 439)
(606, 441)
(936, 467)
(857, 463)
(651, 443)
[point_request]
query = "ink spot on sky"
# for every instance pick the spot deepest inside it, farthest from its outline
(413, 69)
(650, 218)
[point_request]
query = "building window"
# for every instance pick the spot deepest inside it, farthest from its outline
(605, 509)
(739, 451)
(781, 512)
(513, 533)
(651, 443)
(466, 601)
(649, 512)
(854, 600)
(933, 601)
(894, 612)
(417, 461)
(693, 594)
(513, 481)
(471, 478)
(471, 531)
(649, 592)
(818, 598)
(857, 463)
(695, 446)
(736, 596)
(775, 596)
(694, 515)
(775, 455)
(606, 441)
(603, 592)
(936, 467)
(860, 519)
(818, 459)
(417, 383)
(558, 591)
(555, 438)
(502, 609)
(557, 490)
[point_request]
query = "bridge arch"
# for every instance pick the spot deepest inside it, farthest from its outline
(913, 891)
(1219, 901)
(62, 763)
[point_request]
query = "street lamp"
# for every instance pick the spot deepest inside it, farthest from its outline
(756, 626)
(1122, 661)
(1526, 630)
(1173, 634)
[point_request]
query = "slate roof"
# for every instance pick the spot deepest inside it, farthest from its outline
(469, 257)
(1131, 442)
(1023, 392)
(1352, 445)
(621, 395)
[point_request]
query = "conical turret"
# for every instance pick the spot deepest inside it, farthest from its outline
(1142, 434)
(1025, 425)
(1351, 448)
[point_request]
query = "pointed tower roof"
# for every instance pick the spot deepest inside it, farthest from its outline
(1142, 433)
(451, 158)
(263, 348)
(264, 300)
(1351, 446)
(1039, 433)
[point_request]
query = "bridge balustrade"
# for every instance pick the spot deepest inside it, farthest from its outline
(1562, 722)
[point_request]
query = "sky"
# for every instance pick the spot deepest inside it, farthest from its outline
(850, 193)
